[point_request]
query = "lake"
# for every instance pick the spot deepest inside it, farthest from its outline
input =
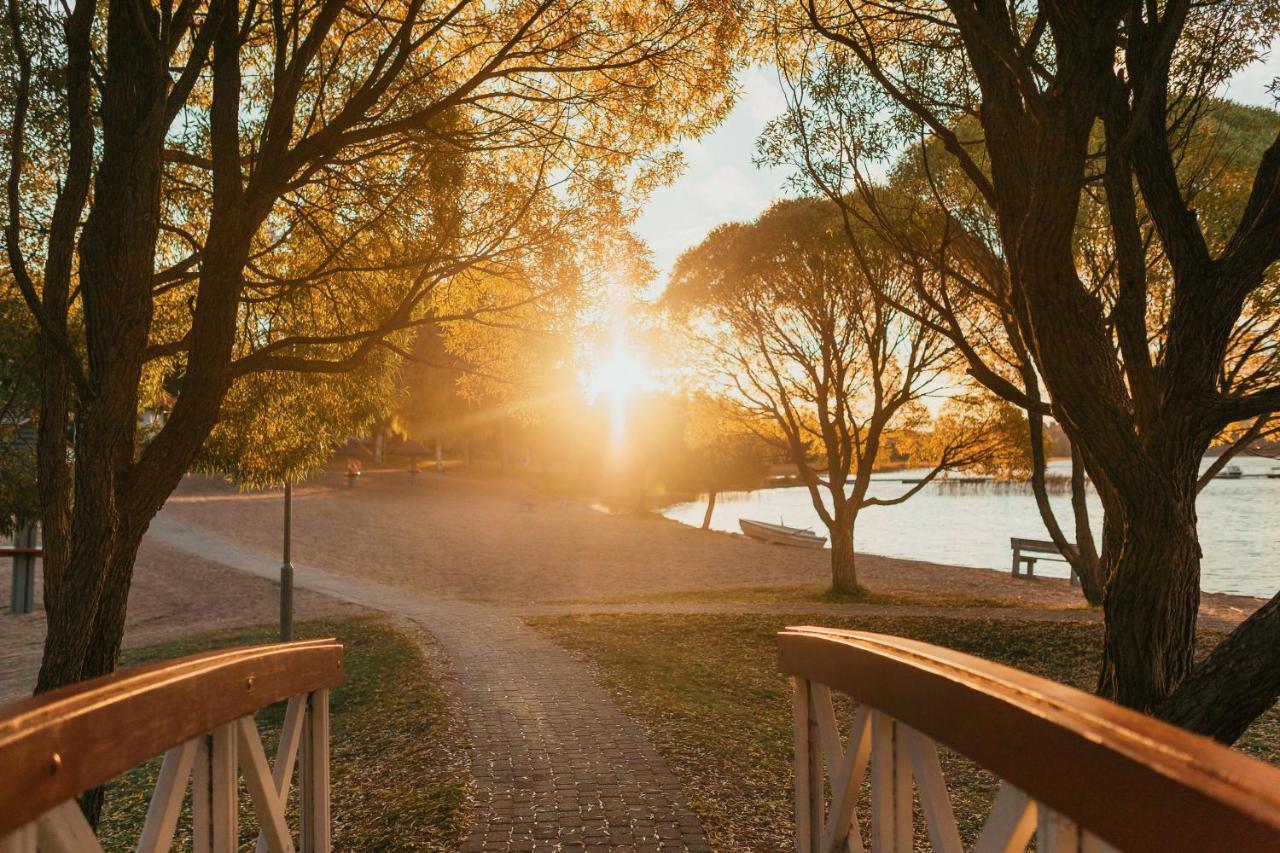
(971, 526)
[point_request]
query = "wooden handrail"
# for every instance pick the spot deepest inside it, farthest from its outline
(21, 552)
(58, 744)
(1127, 778)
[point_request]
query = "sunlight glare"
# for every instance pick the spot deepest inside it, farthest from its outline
(617, 375)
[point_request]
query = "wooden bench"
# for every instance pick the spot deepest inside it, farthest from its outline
(1024, 547)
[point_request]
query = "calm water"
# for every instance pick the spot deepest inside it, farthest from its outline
(1239, 525)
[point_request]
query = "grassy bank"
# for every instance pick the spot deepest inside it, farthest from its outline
(800, 596)
(398, 749)
(707, 691)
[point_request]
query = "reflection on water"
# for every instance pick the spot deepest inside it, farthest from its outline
(1239, 524)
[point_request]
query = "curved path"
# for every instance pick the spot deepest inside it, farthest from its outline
(556, 765)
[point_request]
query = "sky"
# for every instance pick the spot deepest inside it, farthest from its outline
(721, 184)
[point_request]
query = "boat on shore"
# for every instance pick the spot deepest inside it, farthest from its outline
(780, 534)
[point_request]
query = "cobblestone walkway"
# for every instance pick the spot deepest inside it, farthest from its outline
(556, 765)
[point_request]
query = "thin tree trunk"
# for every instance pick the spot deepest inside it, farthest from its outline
(1089, 569)
(711, 505)
(1080, 555)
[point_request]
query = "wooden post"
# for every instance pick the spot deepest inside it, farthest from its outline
(315, 775)
(803, 755)
(23, 597)
(21, 840)
(201, 805)
(224, 789)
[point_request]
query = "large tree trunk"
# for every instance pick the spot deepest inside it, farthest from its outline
(844, 569)
(1151, 601)
(711, 506)
(116, 263)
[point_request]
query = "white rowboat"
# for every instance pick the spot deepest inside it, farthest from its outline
(778, 534)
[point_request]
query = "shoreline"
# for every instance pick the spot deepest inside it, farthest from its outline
(483, 538)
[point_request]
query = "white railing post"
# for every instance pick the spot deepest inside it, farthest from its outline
(224, 789)
(315, 775)
(892, 829)
(803, 755)
(21, 840)
(817, 778)
(201, 798)
(1055, 833)
(166, 799)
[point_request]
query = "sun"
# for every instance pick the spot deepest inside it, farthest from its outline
(618, 375)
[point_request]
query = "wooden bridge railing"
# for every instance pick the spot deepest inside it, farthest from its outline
(198, 711)
(1078, 773)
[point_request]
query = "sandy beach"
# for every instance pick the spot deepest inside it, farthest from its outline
(488, 539)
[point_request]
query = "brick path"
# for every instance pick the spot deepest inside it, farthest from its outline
(557, 766)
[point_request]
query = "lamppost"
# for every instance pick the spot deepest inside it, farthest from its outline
(286, 569)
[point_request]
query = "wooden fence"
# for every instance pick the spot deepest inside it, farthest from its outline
(199, 713)
(1077, 773)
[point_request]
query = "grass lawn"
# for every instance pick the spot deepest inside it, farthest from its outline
(398, 751)
(707, 691)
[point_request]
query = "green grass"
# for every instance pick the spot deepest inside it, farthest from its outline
(815, 594)
(398, 752)
(707, 691)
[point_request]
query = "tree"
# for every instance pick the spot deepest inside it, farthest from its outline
(791, 316)
(293, 187)
(19, 397)
(281, 427)
(1142, 408)
(723, 452)
(923, 209)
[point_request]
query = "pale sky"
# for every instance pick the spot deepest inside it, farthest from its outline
(721, 184)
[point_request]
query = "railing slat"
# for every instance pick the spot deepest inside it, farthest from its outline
(224, 779)
(800, 729)
(935, 802)
(817, 788)
(20, 840)
(166, 799)
(315, 775)
(64, 830)
(1010, 824)
(842, 829)
(257, 776)
(1055, 833)
(884, 822)
(286, 754)
(202, 798)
